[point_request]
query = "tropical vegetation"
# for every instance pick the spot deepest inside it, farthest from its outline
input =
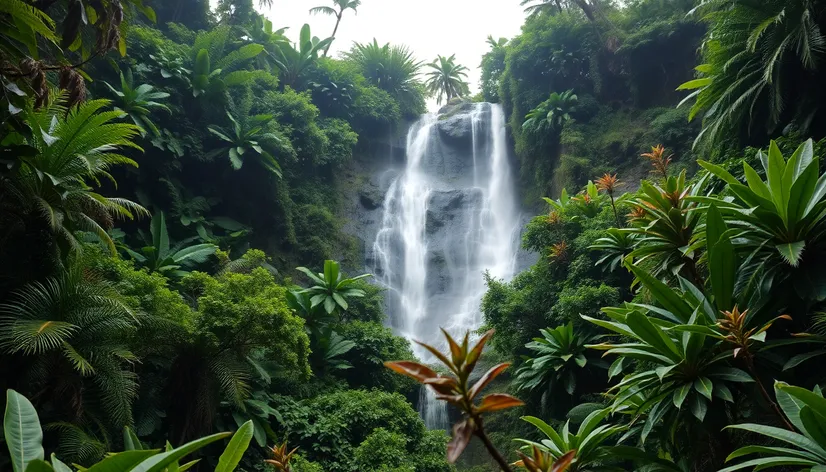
(178, 254)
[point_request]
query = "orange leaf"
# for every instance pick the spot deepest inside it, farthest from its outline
(562, 464)
(443, 385)
(455, 350)
(462, 433)
(455, 399)
(477, 349)
(498, 401)
(438, 355)
(487, 378)
(412, 369)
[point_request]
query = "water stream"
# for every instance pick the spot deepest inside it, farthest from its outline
(451, 215)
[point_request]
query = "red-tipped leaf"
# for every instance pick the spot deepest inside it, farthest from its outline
(498, 401)
(476, 352)
(562, 464)
(412, 369)
(487, 378)
(462, 432)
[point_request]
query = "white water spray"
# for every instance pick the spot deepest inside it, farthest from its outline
(441, 232)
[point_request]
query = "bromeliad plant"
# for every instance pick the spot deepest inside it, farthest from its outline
(687, 361)
(667, 227)
(331, 288)
(556, 358)
(780, 218)
(281, 458)
(806, 410)
(590, 448)
(247, 136)
(456, 390)
(138, 102)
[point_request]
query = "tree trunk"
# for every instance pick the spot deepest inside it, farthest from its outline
(586, 8)
(335, 30)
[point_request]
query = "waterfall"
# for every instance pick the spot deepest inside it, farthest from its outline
(447, 218)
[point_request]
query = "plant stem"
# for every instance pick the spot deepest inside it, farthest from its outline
(497, 456)
(616, 215)
(766, 396)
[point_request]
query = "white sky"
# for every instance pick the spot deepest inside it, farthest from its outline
(428, 27)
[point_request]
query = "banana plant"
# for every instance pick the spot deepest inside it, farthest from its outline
(615, 246)
(331, 288)
(556, 358)
(214, 74)
(666, 223)
(24, 439)
(247, 136)
(159, 256)
(138, 102)
(805, 446)
(780, 217)
(295, 60)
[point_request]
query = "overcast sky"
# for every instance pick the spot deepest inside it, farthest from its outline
(428, 27)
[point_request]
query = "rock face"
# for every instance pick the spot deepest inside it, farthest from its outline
(432, 220)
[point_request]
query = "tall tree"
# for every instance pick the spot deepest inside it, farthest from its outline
(447, 79)
(557, 6)
(338, 11)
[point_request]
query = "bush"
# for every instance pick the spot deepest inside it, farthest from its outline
(298, 120)
(375, 344)
(341, 139)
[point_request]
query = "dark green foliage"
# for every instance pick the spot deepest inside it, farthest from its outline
(332, 428)
(374, 345)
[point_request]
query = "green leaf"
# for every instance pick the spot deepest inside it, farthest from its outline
(814, 401)
(158, 462)
(668, 298)
(59, 466)
(235, 449)
(695, 84)
(731, 374)
(21, 427)
(722, 391)
(122, 461)
(791, 252)
(130, 440)
(800, 358)
(652, 335)
(704, 386)
(39, 465)
(698, 407)
(680, 394)
(813, 425)
(722, 265)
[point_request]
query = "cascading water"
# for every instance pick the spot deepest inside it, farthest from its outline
(449, 217)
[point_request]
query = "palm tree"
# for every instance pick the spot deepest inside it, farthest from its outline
(552, 114)
(69, 334)
(558, 6)
(763, 68)
(70, 150)
(447, 78)
(390, 68)
(338, 11)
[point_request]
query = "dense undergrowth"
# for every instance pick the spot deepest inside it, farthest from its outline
(167, 171)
